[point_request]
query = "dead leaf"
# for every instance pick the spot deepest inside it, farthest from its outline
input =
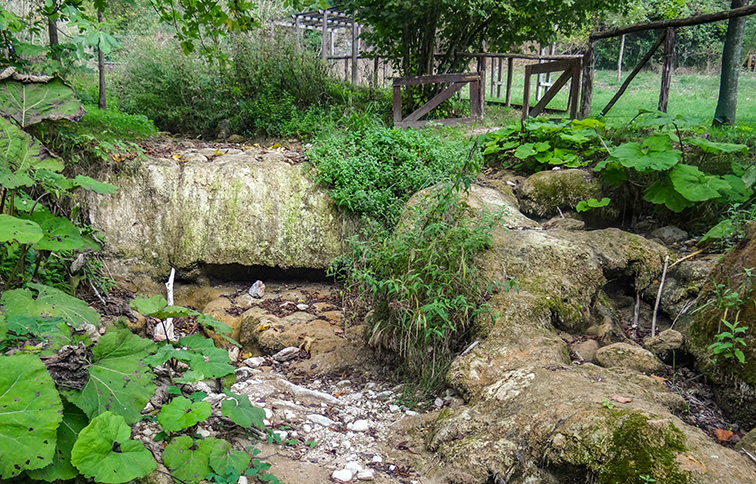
(338, 331)
(723, 435)
(621, 399)
(306, 343)
(659, 378)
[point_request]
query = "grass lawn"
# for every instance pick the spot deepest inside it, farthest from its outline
(692, 95)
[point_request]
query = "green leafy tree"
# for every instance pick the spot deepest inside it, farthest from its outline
(727, 103)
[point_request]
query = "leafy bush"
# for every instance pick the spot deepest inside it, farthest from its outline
(374, 170)
(421, 279)
(664, 175)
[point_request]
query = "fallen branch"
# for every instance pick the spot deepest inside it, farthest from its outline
(689, 256)
(658, 296)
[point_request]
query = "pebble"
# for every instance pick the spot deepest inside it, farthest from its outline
(438, 402)
(290, 415)
(410, 413)
(203, 432)
(233, 353)
(342, 475)
(257, 290)
(360, 425)
(242, 480)
(254, 361)
(393, 408)
(302, 307)
(320, 420)
(377, 459)
(353, 467)
(281, 433)
(307, 428)
(343, 383)
(384, 395)
(286, 354)
(366, 475)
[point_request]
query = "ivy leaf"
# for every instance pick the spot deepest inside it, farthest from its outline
(662, 192)
(119, 381)
(30, 412)
(654, 154)
(105, 452)
(188, 463)
(29, 103)
(22, 231)
(96, 186)
(148, 306)
(50, 302)
(695, 185)
(239, 409)
(223, 456)
(61, 468)
(182, 413)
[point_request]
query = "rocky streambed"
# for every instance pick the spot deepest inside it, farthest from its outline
(562, 386)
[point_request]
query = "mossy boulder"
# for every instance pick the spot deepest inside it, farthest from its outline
(626, 355)
(546, 192)
(242, 209)
(532, 415)
(735, 382)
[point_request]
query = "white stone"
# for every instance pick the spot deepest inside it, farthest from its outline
(378, 459)
(410, 413)
(343, 383)
(394, 408)
(360, 425)
(289, 415)
(302, 307)
(233, 353)
(268, 413)
(242, 480)
(203, 432)
(320, 420)
(281, 433)
(342, 475)
(354, 467)
(346, 444)
(384, 395)
(438, 402)
(307, 428)
(254, 361)
(286, 354)
(366, 475)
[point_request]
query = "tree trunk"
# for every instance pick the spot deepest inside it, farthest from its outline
(52, 31)
(619, 61)
(102, 102)
(731, 56)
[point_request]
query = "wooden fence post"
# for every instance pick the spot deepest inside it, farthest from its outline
(669, 56)
(323, 37)
(510, 66)
(355, 52)
(397, 104)
(588, 60)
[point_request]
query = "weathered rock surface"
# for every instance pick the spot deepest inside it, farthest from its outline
(544, 193)
(243, 208)
(625, 355)
(670, 234)
(665, 343)
(533, 416)
(735, 383)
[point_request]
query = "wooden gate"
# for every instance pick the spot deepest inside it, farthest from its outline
(571, 68)
(476, 80)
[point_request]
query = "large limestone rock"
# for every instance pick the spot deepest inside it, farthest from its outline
(532, 415)
(735, 383)
(241, 209)
(546, 192)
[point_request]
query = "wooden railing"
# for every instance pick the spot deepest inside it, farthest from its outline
(476, 81)
(571, 68)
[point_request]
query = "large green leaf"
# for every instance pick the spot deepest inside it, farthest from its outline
(182, 413)
(188, 463)
(708, 146)
(223, 456)
(695, 185)
(96, 186)
(11, 180)
(663, 193)
(60, 234)
(21, 152)
(207, 361)
(239, 409)
(119, 381)
(148, 306)
(22, 231)
(30, 412)
(73, 421)
(50, 302)
(105, 452)
(213, 324)
(29, 103)
(654, 154)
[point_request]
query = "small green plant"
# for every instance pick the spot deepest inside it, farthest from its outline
(591, 203)
(606, 403)
(646, 478)
(727, 341)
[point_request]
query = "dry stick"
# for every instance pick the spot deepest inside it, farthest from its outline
(685, 258)
(636, 316)
(658, 296)
(169, 294)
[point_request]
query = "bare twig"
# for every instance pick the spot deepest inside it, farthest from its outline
(689, 256)
(658, 296)
(636, 316)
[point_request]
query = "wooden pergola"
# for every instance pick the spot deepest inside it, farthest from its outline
(328, 22)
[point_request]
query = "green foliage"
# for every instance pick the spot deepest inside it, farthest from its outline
(239, 409)
(373, 171)
(422, 280)
(105, 452)
(585, 205)
(61, 468)
(727, 341)
(30, 412)
(189, 459)
(182, 413)
(665, 175)
(118, 381)
(49, 303)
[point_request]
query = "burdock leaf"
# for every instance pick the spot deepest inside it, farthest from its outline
(29, 103)
(30, 412)
(50, 302)
(224, 456)
(119, 381)
(61, 468)
(182, 413)
(191, 465)
(239, 409)
(22, 231)
(105, 452)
